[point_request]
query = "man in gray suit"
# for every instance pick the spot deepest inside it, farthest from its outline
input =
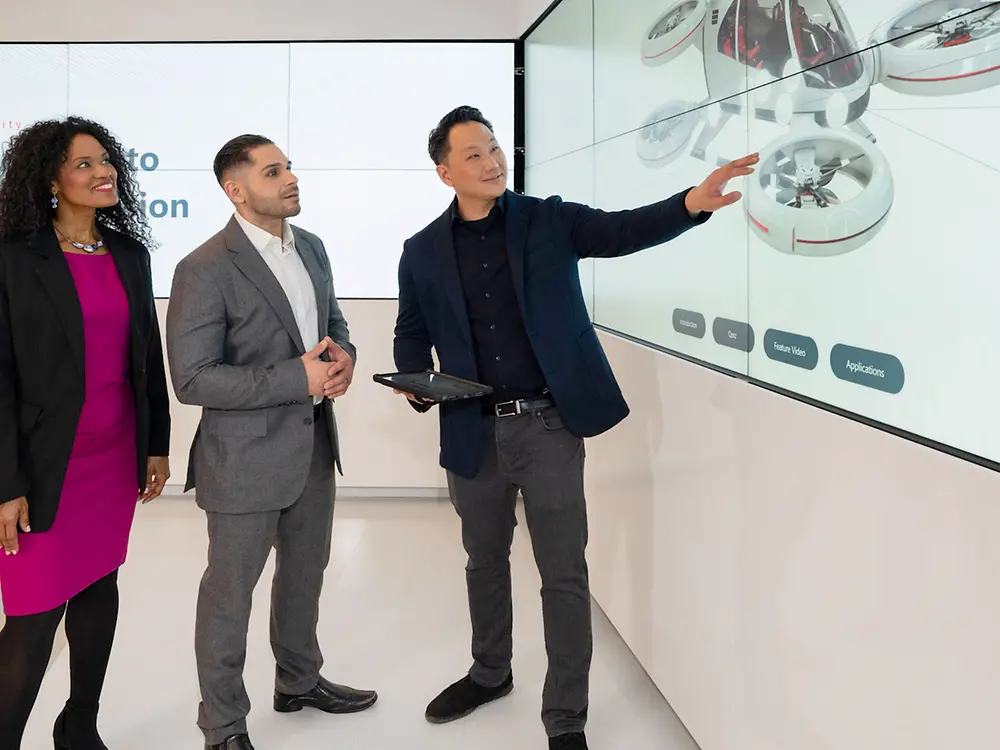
(255, 336)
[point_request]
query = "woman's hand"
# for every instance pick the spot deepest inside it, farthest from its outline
(12, 514)
(157, 474)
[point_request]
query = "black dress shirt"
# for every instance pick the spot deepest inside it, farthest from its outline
(504, 355)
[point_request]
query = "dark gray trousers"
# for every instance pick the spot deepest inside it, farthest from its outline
(535, 454)
(239, 545)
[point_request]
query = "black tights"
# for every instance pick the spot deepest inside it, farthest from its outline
(25, 649)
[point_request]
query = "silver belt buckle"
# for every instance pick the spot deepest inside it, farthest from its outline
(516, 409)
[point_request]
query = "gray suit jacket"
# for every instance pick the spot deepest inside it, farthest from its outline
(235, 350)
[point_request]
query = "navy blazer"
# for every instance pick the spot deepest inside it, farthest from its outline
(546, 238)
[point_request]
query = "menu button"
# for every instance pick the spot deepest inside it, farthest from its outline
(791, 349)
(689, 323)
(883, 372)
(733, 334)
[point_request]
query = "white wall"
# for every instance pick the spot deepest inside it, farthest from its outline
(258, 20)
(789, 578)
(387, 448)
(528, 11)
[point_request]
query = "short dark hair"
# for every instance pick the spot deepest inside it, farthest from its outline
(437, 142)
(237, 152)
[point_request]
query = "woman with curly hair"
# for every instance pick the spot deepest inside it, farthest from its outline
(84, 412)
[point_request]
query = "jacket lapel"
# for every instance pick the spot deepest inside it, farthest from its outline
(56, 278)
(517, 236)
(320, 283)
(444, 250)
(253, 266)
(129, 273)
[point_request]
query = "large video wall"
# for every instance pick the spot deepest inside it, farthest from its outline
(352, 117)
(859, 270)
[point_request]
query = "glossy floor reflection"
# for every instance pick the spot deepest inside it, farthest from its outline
(394, 618)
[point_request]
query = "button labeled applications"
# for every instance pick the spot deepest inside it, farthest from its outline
(791, 349)
(883, 372)
(733, 334)
(689, 323)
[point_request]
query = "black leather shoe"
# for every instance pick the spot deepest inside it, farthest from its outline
(326, 696)
(464, 697)
(571, 741)
(236, 742)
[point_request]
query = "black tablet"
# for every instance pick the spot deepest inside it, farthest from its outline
(433, 386)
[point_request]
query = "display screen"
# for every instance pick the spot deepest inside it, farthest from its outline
(352, 117)
(858, 268)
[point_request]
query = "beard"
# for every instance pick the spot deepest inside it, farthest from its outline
(274, 208)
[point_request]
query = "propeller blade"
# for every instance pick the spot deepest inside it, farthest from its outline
(805, 157)
(787, 197)
(829, 195)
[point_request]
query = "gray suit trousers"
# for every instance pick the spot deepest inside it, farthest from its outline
(239, 545)
(536, 454)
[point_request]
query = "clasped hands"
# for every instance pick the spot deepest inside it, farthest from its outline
(328, 379)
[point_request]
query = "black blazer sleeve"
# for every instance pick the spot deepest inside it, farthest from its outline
(13, 484)
(411, 346)
(613, 234)
(156, 383)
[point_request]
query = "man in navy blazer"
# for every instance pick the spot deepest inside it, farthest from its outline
(492, 285)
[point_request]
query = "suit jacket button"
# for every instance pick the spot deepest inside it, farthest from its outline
(307, 421)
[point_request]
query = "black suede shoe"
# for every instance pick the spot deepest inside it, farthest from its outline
(236, 742)
(80, 734)
(464, 697)
(571, 741)
(326, 696)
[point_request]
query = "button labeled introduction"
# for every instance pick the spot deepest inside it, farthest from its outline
(689, 323)
(883, 372)
(733, 334)
(791, 349)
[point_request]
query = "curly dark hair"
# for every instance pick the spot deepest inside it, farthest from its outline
(32, 161)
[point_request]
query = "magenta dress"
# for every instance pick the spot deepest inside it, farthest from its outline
(89, 538)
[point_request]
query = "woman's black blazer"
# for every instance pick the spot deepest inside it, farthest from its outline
(42, 367)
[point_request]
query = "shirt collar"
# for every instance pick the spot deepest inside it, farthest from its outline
(456, 218)
(261, 238)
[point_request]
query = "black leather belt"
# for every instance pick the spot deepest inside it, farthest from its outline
(521, 406)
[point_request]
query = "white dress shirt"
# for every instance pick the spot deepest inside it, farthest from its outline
(287, 266)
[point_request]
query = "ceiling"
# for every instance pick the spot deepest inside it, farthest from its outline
(266, 20)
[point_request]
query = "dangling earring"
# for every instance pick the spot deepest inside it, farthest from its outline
(55, 202)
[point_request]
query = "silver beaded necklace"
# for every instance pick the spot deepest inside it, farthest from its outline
(80, 246)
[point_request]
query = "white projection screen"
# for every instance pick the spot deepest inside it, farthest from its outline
(352, 116)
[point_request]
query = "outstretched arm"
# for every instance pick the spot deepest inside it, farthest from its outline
(613, 234)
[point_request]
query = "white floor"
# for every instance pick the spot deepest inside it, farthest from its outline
(394, 619)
